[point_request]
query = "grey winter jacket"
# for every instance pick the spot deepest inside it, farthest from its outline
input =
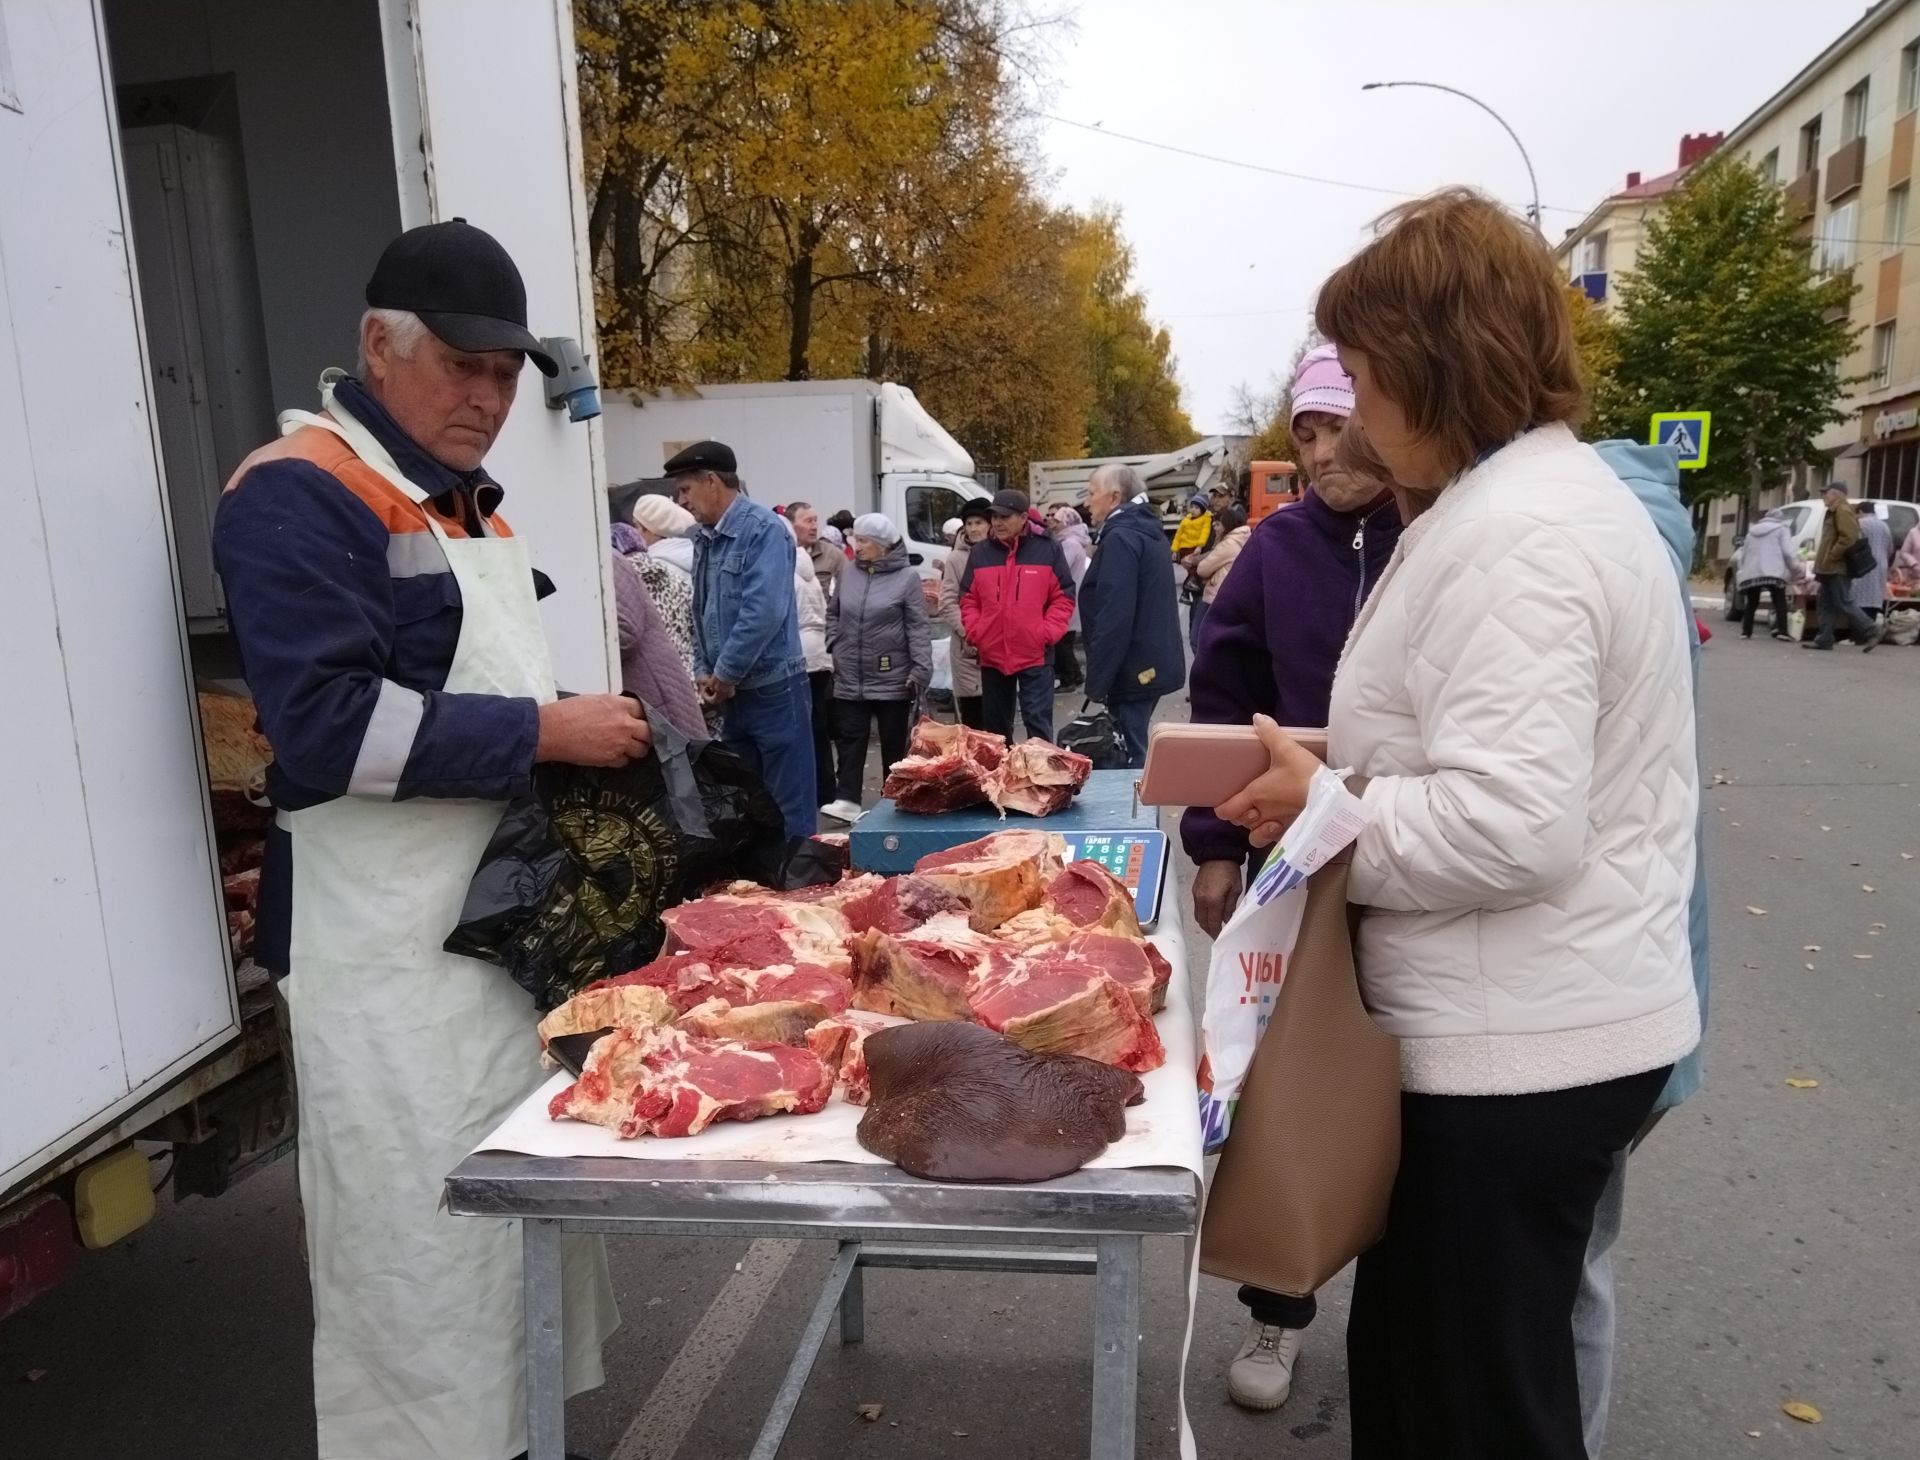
(964, 662)
(877, 630)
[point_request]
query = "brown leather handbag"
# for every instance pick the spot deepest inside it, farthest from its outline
(1308, 1166)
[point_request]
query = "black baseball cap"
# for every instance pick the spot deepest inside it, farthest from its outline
(701, 456)
(464, 287)
(975, 507)
(1009, 503)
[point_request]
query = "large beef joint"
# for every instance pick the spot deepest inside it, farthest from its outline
(898, 905)
(955, 1102)
(649, 1080)
(1087, 895)
(949, 767)
(841, 1042)
(1063, 1005)
(754, 932)
(998, 876)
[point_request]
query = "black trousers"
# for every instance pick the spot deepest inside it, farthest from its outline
(820, 683)
(1066, 663)
(972, 711)
(853, 717)
(1034, 689)
(1777, 600)
(1281, 1310)
(1460, 1340)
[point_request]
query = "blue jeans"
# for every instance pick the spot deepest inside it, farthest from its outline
(1196, 616)
(1131, 717)
(771, 729)
(1034, 688)
(1836, 603)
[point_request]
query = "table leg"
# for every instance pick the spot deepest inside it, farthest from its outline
(1116, 1347)
(853, 1307)
(546, 1379)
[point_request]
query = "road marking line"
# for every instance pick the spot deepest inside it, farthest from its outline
(662, 1425)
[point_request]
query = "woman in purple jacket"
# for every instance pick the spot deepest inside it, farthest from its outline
(1269, 645)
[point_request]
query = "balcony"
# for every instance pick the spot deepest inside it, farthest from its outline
(1594, 286)
(1845, 168)
(1801, 195)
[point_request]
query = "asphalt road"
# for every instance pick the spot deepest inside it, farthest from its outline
(1772, 1248)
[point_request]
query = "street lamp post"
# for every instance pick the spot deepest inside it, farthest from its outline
(1533, 212)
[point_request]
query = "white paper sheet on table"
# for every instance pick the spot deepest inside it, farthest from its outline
(1163, 1130)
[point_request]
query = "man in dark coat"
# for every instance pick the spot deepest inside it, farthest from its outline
(1128, 613)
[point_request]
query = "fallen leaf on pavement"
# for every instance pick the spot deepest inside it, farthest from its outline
(1753, 1434)
(1758, 912)
(1811, 948)
(1906, 856)
(1801, 1082)
(1809, 968)
(1826, 828)
(1875, 927)
(870, 1412)
(34, 1376)
(959, 1434)
(1864, 957)
(1802, 1411)
(1866, 887)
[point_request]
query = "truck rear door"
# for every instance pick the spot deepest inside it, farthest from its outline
(118, 975)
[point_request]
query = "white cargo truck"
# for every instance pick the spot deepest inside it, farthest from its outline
(850, 445)
(194, 193)
(1171, 477)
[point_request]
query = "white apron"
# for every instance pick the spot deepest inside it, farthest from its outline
(406, 1057)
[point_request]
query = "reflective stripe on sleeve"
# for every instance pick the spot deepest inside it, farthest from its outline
(388, 742)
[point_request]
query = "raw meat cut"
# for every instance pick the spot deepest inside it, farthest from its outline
(936, 737)
(1035, 928)
(930, 784)
(955, 1102)
(841, 1044)
(779, 1021)
(998, 876)
(1037, 777)
(689, 979)
(1059, 1005)
(835, 895)
(654, 1080)
(929, 973)
(1087, 895)
(605, 1005)
(755, 932)
(1135, 965)
(898, 904)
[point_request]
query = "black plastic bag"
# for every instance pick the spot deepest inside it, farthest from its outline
(571, 887)
(1093, 734)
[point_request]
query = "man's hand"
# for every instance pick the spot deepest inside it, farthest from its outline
(714, 691)
(597, 730)
(1216, 893)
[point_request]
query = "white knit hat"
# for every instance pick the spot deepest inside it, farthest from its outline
(661, 516)
(876, 527)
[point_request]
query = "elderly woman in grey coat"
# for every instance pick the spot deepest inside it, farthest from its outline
(882, 653)
(967, 530)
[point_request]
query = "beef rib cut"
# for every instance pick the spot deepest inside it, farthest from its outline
(1087, 895)
(603, 1005)
(929, 973)
(780, 1021)
(1037, 777)
(899, 905)
(1058, 1005)
(955, 1102)
(653, 1080)
(841, 1041)
(998, 876)
(756, 932)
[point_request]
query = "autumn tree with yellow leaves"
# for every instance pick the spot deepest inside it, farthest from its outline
(790, 189)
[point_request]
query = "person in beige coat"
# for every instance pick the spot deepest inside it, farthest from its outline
(974, 521)
(1210, 568)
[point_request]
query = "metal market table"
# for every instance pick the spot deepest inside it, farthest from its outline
(1088, 1222)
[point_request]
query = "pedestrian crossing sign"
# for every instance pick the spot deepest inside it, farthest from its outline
(1686, 432)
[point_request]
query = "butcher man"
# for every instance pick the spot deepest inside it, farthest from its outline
(387, 623)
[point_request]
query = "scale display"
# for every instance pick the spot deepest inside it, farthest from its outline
(1137, 858)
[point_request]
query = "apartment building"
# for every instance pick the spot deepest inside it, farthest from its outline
(1600, 251)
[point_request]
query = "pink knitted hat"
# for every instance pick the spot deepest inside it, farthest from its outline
(1321, 385)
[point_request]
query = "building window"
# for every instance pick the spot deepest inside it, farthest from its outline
(1853, 114)
(1770, 166)
(1593, 253)
(1833, 245)
(1910, 77)
(1810, 146)
(1882, 355)
(1894, 231)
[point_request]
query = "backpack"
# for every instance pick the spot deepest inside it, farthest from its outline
(1093, 734)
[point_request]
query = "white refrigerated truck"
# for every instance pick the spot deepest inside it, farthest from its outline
(850, 445)
(192, 193)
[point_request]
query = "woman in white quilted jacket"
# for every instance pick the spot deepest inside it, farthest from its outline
(1515, 704)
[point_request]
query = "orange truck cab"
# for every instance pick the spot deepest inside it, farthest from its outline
(1270, 485)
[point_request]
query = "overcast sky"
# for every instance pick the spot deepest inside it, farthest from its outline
(1230, 258)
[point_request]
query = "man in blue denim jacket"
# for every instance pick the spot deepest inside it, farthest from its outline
(747, 655)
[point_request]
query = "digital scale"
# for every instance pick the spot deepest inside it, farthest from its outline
(1102, 823)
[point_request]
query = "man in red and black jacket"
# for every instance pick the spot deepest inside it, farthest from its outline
(1016, 599)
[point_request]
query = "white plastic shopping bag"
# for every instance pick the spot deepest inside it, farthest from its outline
(1250, 955)
(942, 664)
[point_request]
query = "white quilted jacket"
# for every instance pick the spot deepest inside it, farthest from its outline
(1517, 689)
